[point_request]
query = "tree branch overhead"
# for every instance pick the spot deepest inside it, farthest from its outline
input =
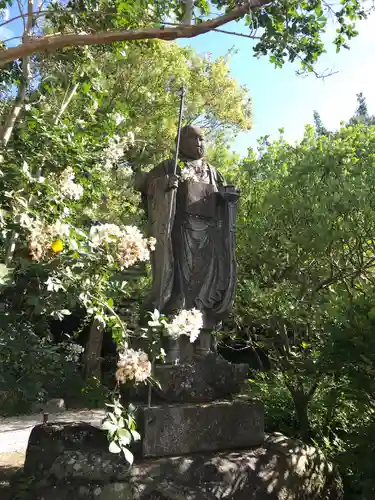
(51, 43)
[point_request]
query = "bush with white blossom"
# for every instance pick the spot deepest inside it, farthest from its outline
(128, 244)
(133, 366)
(117, 146)
(186, 322)
(68, 187)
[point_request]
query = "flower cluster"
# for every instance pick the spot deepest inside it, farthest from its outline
(184, 323)
(100, 234)
(44, 237)
(133, 365)
(72, 351)
(189, 174)
(116, 149)
(129, 245)
(134, 247)
(68, 187)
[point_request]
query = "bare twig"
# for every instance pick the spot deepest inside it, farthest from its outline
(67, 101)
(22, 13)
(217, 30)
(13, 38)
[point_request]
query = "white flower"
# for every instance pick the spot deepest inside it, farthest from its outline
(116, 149)
(60, 229)
(26, 221)
(75, 191)
(119, 118)
(127, 244)
(155, 320)
(73, 351)
(104, 233)
(68, 187)
(133, 365)
(54, 284)
(133, 247)
(186, 323)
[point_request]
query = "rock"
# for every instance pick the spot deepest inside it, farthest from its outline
(71, 490)
(48, 442)
(280, 469)
(90, 466)
(200, 380)
(179, 429)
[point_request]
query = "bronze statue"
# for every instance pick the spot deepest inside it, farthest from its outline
(192, 216)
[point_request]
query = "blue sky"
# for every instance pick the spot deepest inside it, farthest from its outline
(283, 99)
(280, 97)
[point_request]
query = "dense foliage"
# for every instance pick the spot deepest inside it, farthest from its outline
(306, 289)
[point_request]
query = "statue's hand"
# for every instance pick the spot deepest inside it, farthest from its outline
(173, 182)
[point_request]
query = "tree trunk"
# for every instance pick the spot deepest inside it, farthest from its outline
(301, 402)
(93, 351)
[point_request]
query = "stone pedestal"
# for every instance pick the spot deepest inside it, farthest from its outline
(202, 379)
(194, 408)
(179, 429)
(71, 461)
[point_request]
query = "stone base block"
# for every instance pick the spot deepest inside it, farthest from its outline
(199, 380)
(71, 462)
(179, 429)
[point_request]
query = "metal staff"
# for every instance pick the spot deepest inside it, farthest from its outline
(173, 194)
(170, 210)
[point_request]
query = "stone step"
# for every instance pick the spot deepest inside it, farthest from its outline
(184, 428)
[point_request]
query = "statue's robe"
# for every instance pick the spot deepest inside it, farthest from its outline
(193, 264)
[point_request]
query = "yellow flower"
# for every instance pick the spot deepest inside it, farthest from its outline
(57, 246)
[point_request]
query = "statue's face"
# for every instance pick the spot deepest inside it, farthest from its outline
(192, 144)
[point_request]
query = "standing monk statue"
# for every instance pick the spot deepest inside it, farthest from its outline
(192, 215)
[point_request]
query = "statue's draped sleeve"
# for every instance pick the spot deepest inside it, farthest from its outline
(226, 219)
(160, 205)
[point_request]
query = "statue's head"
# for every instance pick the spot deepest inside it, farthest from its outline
(192, 145)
